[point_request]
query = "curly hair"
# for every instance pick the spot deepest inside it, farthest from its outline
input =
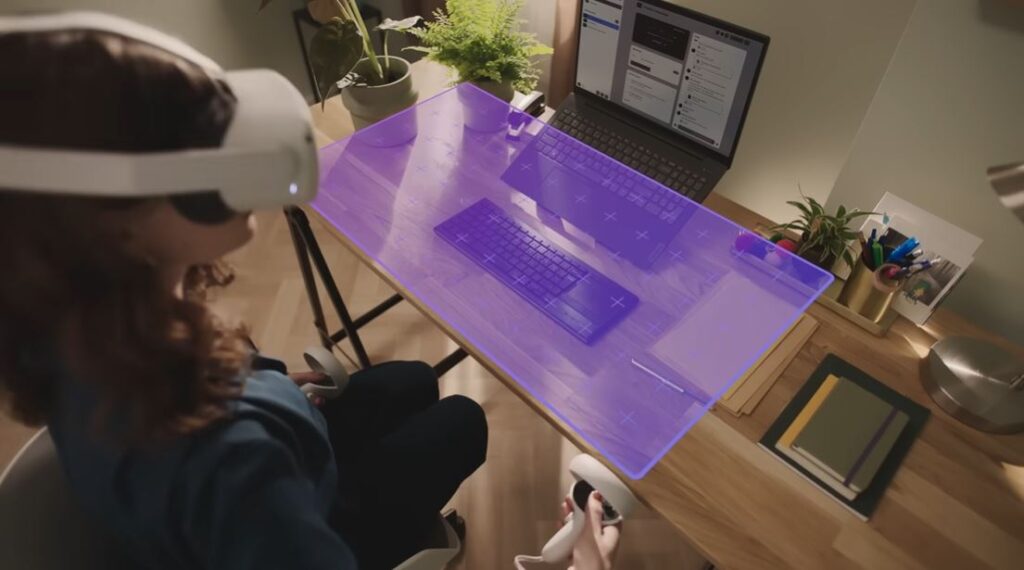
(71, 291)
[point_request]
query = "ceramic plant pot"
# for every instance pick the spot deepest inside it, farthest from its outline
(371, 103)
(485, 104)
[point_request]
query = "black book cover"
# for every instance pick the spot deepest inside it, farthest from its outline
(917, 414)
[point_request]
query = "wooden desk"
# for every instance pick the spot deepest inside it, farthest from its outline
(957, 502)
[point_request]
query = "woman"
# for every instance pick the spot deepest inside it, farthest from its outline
(197, 453)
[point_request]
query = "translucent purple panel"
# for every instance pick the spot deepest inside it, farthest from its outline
(624, 308)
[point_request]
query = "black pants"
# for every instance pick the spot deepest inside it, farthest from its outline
(401, 453)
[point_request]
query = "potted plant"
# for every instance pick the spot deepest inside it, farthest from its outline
(824, 238)
(343, 58)
(482, 42)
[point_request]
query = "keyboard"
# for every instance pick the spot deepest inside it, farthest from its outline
(639, 191)
(579, 298)
(680, 177)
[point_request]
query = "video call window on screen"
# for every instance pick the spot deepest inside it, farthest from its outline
(668, 65)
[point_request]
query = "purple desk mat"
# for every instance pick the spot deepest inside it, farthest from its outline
(712, 296)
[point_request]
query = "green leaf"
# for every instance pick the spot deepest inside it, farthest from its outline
(539, 49)
(800, 207)
(333, 52)
(815, 207)
(848, 258)
(841, 211)
(389, 25)
(858, 213)
(420, 49)
(263, 4)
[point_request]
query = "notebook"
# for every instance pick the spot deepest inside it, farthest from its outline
(864, 502)
(851, 426)
(785, 443)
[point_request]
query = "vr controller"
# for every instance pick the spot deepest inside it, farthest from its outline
(618, 502)
(322, 360)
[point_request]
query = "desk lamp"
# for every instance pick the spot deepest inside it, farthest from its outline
(973, 380)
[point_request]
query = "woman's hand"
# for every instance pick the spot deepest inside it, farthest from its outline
(595, 549)
(301, 378)
(310, 377)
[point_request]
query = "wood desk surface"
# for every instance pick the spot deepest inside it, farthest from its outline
(957, 501)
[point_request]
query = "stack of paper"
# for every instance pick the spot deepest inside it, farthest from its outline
(750, 389)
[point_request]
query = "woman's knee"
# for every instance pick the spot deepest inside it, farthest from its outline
(408, 380)
(470, 427)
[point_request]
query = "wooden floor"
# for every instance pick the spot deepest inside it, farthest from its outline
(511, 503)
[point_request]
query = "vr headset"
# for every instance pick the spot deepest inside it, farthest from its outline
(267, 158)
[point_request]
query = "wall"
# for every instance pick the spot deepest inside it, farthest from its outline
(824, 64)
(539, 19)
(952, 104)
(229, 31)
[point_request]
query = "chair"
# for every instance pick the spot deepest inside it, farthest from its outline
(42, 528)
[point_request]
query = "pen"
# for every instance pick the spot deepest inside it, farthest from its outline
(918, 267)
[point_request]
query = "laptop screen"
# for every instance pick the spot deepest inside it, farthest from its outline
(683, 70)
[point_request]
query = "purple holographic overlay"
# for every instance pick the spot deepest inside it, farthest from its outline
(708, 297)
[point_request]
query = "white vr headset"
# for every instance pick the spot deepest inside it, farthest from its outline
(268, 156)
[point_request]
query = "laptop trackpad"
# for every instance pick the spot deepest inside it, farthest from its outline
(569, 195)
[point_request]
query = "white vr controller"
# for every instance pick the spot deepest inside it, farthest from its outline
(322, 360)
(619, 502)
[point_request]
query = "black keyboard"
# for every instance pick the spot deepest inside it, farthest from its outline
(680, 177)
(579, 298)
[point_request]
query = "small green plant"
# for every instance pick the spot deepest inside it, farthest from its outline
(481, 41)
(823, 237)
(341, 41)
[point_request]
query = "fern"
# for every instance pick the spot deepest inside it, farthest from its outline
(481, 41)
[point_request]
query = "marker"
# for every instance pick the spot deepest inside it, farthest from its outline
(903, 249)
(876, 251)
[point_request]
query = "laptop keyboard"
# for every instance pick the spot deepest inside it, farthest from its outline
(637, 190)
(679, 177)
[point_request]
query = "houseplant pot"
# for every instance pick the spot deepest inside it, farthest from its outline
(818, 256)
(503, 90)
(371, 103)
(482, 109)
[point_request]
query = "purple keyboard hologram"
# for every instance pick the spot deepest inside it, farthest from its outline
(577, 297)
(707, 297)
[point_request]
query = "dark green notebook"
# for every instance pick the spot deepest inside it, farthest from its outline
(846, 431)
(917, 415)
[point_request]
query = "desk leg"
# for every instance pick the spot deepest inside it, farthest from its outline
(308, 254)
(307, 249)
(449, 362)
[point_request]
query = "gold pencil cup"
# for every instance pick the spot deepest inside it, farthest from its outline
(867, 293)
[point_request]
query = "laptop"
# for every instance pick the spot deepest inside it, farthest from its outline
(662, 89)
